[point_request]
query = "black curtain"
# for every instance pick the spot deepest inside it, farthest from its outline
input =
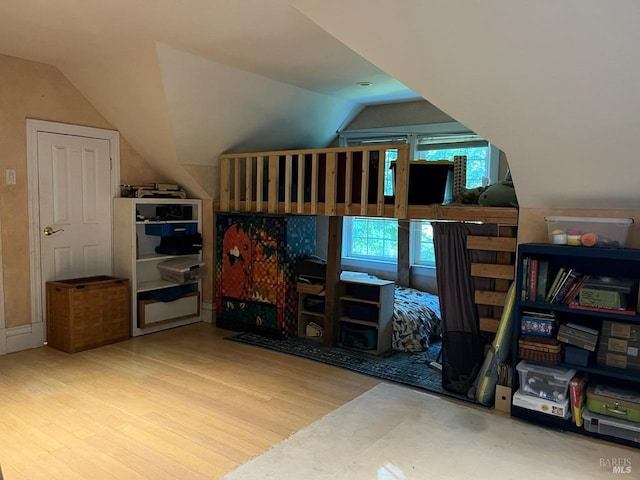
(456, 286)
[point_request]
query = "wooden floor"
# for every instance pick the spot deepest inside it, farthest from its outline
(179, 404)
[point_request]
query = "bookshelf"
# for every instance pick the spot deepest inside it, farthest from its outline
(538, 267)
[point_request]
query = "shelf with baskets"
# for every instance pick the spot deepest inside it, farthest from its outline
(587, 328)
(155, 246)
(365, 314)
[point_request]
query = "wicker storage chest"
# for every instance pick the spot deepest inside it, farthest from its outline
(88, 312)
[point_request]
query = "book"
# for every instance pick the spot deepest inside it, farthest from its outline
(569, 279)
(577, 394)
(575, 289)
(560, 283)
(554, 284)
(525, 277)
(543, 279)
(533, 279)
(618, 311)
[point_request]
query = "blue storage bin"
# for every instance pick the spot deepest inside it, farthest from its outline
(366, 292)
(171, 229)
(360, 311)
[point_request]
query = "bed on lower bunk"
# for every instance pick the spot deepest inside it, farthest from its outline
(416, 319)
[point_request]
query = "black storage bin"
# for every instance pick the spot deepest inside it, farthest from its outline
(462, 357)
(357, 336)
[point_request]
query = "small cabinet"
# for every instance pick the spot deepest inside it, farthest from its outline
(311, 307)
(365, 314)
(147, 233)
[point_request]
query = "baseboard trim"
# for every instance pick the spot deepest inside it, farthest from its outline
(24, 337)
(208, 312)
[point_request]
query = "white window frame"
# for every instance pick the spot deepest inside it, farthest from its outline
(411, 133)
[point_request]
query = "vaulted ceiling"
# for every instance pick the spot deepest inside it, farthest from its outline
(553, 84)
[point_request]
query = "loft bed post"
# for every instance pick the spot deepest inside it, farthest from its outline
(332, 282)
(401, 187)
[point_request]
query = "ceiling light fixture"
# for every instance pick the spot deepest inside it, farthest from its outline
(364, 84)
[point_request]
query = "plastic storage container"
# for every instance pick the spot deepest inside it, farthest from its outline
(180, 270)
(557, 409)
(549, 383)
(588, 231)
(615, 427)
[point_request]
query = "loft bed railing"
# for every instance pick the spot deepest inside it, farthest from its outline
(331, 181)
(337, 181)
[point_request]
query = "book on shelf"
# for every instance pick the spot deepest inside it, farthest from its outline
(569, 278)
(575, 289)
(532, 285)
(524, 293)
(554, 284)
(543, 280)
(577, 394)
(561, 281)
(588, 308)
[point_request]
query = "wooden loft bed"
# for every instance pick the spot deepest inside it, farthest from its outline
(348, 181)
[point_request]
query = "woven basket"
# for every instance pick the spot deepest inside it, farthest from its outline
(84, 313)
(539, 349)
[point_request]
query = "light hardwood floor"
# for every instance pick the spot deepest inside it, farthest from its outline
(179, 404)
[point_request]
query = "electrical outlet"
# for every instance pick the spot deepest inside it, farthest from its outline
(11, 176)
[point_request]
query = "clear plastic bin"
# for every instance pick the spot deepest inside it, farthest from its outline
(588, 231)
(550, 383)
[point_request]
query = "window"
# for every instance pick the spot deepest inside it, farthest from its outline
(376, 239)
(438, 147)
(423, 252)
(369, 238)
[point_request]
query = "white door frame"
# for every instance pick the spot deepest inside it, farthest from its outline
(37, 327)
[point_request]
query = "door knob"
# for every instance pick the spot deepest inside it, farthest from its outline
(50, 231)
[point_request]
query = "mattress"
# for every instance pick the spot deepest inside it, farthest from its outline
(416, 319)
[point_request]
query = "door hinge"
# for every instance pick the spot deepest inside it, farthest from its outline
(110, 163)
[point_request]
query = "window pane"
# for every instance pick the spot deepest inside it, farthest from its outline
(425, 254)
(372, 238)
(477, 161)
(391, 156)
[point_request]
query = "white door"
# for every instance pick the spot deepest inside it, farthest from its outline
(75, 192)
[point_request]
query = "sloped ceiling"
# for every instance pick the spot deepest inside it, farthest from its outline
(554, 84)
(186, 80)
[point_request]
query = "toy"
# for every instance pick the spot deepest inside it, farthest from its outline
(469, 196)
(501, 194)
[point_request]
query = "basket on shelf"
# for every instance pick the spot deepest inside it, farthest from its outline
(539, 349)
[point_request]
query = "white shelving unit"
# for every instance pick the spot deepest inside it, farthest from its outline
(135, 258)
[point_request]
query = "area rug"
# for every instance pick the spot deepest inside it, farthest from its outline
(402, 367)
(392, 432)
